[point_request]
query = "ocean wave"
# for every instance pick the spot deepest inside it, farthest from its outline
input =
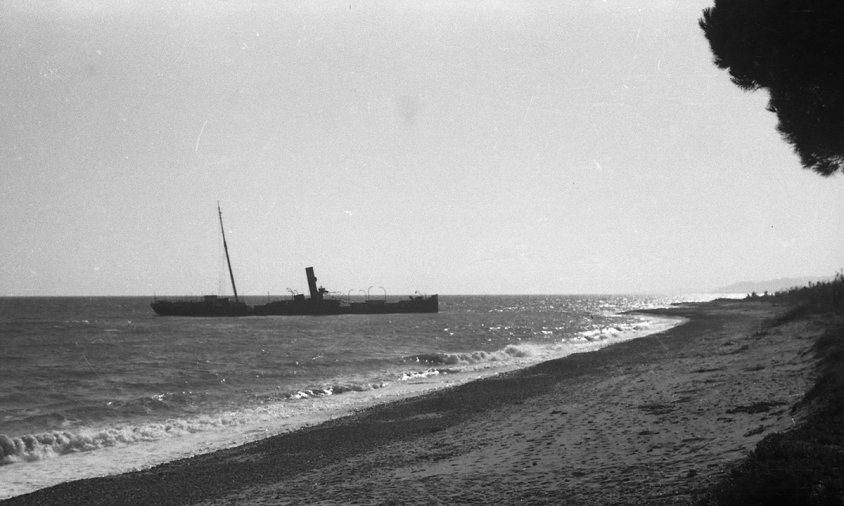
(334, 390)
(33, 447)
(599, 332)
(155, 403)
(471, 358)
(271, 409)
(427, 373)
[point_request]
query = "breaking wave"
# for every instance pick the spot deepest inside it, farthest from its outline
(334, 390)
(32, 447)
(470, 358)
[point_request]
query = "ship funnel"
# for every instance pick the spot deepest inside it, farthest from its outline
(312, 286)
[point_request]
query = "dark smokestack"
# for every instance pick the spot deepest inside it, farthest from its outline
(315, 294)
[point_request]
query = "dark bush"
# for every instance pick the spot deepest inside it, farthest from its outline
(820, 297)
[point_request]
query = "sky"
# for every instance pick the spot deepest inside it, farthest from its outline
(453, 147)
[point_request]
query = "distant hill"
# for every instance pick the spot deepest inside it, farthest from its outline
(771, 286)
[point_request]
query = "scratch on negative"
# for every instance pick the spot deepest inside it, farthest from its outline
(198, 137)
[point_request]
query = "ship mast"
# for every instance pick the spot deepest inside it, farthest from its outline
(226, 248)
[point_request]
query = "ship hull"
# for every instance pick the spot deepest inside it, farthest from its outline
(220, 307)
(334, 307)
(317, 305)
(209, 307)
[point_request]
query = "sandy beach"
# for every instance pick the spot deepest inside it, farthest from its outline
(655, 420)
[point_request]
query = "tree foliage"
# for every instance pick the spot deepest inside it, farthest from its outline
(795, 50)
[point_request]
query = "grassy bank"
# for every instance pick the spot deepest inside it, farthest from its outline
(804, 465)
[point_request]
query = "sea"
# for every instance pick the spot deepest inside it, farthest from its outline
(92, 386)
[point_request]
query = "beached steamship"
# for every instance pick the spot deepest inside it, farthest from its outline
(317, 304)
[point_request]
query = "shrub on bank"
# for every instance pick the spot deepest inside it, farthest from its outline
(820, 297)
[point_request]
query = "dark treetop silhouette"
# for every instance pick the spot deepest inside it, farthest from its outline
(794, 49)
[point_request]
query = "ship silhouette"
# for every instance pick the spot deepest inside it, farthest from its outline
(320, 301)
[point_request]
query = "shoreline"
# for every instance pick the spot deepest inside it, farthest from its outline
(655, 419)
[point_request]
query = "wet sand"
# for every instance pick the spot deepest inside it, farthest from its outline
(655, 420)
